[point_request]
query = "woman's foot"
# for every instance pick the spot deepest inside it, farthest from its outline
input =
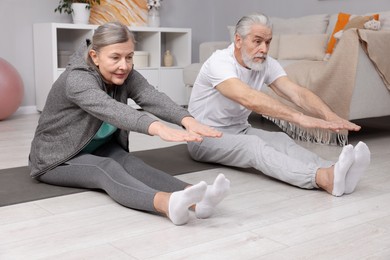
(180, 201)
(215, 193)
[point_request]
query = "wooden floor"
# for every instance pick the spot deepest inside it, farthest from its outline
(260, 219)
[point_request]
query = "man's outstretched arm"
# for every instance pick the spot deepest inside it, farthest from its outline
(264, 104)
(309, 102)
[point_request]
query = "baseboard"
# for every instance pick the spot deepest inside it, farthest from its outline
(25, 110)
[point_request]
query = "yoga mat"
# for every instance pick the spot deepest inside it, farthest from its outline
(16, 185)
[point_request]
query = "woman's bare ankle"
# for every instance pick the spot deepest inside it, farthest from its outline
(161, 202)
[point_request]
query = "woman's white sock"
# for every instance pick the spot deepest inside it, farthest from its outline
(215, 193)
(341, 168)
(362, 161)
(180, 201)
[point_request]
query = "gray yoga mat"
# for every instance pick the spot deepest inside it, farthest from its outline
(16, 185)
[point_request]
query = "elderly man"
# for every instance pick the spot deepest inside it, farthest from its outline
(227, 90)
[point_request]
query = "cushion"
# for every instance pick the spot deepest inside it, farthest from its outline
(273, 50)
(342, 20)
(311, 24)
(384, 18)
(190, 73)
(302, 46)
(357, 22)
(208, 48)
(231, 30)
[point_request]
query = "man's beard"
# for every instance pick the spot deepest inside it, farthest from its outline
(256, 66)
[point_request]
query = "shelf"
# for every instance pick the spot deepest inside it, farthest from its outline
(55, 42)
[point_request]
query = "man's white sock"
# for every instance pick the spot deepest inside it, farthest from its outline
(215, 193)
(341, 168)
(362, 161)
(180, 201)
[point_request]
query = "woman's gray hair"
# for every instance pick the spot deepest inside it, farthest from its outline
(244, 25)
(108, 34)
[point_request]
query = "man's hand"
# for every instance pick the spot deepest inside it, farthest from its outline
(336, 124)
(193, 126)
(345, 124)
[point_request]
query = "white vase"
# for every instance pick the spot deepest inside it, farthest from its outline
(153, 17)
(80, 13)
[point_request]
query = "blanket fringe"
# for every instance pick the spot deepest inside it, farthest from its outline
(319, 136)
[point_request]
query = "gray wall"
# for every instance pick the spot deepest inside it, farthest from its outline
(207, 18)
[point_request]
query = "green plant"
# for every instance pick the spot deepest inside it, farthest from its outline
(66, 5)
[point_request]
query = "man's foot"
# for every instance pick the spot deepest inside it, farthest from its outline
(362, 161)
(341, 168)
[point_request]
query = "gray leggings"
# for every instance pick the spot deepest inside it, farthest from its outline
(273, 153)
(125, 178)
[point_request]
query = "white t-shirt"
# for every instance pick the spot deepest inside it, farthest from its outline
(209, 106)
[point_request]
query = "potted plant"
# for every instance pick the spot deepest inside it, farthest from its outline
(80, 9)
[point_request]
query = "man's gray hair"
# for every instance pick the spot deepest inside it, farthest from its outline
(244, 25)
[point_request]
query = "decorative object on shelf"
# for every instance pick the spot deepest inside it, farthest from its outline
(168, 59)
(153, 13)
(80, 9)
(63, 58)
(80, 13)
(140, 59)
(11, 89)
(128, 12)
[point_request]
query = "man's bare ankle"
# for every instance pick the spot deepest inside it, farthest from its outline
(324, 179)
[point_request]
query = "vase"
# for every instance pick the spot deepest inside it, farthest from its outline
(168, 59)
(80, 13)
(153, 17)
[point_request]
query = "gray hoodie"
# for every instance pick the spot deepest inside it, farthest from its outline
(78, 104)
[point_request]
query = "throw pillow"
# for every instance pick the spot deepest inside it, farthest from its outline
(359, 22)
(342, 20)
(385, 20)
(311, 24)
(273, 50)
(302, 46)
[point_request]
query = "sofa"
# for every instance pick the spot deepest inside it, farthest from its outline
(303, 44)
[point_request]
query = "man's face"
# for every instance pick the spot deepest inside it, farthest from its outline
(254, 47)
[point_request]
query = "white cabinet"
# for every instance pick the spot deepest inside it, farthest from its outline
(53, 42)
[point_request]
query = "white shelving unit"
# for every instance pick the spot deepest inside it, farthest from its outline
(51, 39)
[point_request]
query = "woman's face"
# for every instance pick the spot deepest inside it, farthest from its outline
(115, 61)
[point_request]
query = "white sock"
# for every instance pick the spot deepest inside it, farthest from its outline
(180, 201)
(215, 193)
(362, 161)
(341, 168)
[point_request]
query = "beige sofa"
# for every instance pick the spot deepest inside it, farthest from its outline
(306, 39)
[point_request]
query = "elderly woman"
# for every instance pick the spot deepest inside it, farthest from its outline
(82, 135)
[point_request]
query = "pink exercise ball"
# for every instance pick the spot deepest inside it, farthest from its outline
(11, 89)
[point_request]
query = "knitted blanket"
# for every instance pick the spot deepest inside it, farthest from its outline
(377, 47)
(334, 81)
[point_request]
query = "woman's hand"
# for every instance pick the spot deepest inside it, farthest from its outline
(193, 126)
(169, 134)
